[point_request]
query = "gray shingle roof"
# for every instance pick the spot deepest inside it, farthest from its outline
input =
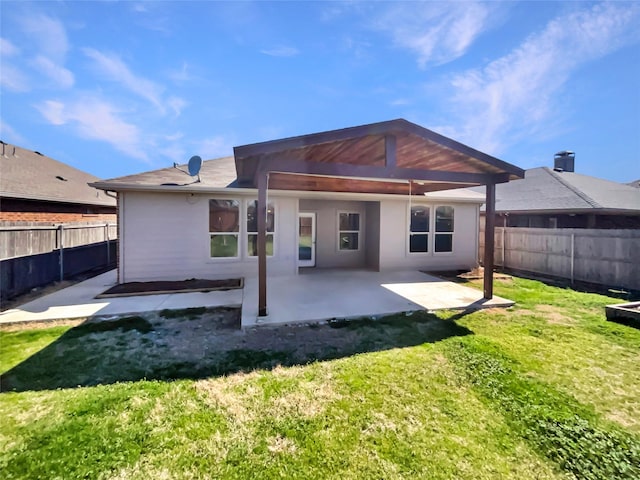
(543, 189)
(30, 175)
(217, 173)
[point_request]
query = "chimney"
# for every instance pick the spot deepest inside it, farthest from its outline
(564, 161)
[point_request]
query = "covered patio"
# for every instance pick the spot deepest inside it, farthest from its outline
(393, 158)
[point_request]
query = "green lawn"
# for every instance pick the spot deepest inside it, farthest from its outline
(546, 389)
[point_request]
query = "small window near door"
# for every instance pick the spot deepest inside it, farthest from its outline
(252, 228)
(348, 231)
(444, 229)
(224, 228)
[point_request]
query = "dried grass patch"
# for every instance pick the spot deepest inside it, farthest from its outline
(233, 393)
(281, 445)
(554, 317)
(39, 325)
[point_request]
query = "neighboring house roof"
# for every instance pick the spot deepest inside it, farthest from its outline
(546, 190)
(25, 174)
(394, 157)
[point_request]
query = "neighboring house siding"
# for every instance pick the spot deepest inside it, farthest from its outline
(167, 237)
(394, 228)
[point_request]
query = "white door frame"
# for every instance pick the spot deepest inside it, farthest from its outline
(311, 262)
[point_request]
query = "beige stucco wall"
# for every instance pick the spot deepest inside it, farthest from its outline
(166, 236)
(327, 253)
(394, 238)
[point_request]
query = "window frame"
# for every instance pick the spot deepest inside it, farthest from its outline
(451, 233)
(340, 231)
(237, 234)
(428, 233)
(247, 233)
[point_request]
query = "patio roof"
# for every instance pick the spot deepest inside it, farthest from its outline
(387, 157)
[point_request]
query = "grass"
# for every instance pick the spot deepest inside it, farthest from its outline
(546, 389)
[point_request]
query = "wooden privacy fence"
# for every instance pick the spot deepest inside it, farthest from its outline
(36, 255)
(605, 257)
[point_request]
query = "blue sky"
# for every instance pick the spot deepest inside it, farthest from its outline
(116, 88)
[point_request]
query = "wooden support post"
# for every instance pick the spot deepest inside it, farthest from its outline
(489, 240)
(262, 244)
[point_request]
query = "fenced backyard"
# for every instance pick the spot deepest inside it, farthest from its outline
(604, 257)
(33, 255)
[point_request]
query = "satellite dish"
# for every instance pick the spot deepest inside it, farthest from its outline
(195, 164)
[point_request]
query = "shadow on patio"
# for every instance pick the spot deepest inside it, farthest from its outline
(201, 344)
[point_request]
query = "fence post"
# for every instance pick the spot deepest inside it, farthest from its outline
(107, 240)
(503, 247)
(61, 230)
(573, 242)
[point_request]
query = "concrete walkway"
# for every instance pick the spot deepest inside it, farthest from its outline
(308, 297)
(77, 301)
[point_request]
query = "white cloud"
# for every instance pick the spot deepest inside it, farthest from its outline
(14, 79)
(48, 33)
(115, 69)
(8, 49)
(96, 119)
(48, 45)
(176, 104)
(281, 51)
(514, 96)
(61, 76)
(438, 32)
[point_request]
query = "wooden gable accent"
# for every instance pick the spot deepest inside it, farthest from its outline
(367, 157)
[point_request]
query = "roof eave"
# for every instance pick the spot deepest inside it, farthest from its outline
(44, 198)
(433, 197)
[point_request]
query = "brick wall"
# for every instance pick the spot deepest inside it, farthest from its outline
(57, 217)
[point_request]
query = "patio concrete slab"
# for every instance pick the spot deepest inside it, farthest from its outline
(77, 301)
(323, 295)
(308, 297)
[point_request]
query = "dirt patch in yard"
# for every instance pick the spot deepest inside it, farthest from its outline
(200, 343)
(166, 286)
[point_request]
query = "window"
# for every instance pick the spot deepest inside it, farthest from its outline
(252, 228)
(224, 226)
(419, 229)
(348, 231)
(444, 229)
